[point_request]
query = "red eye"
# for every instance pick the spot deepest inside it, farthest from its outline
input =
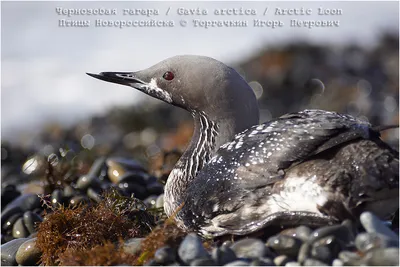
(168, 76)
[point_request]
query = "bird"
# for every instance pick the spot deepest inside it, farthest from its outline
(237, 176)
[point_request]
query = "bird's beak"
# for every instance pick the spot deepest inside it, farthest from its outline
(124, 78)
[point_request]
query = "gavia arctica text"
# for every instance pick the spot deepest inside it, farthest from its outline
(236, 176)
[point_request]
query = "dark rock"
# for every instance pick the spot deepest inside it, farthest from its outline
(28, 253)
(8, 194)
(86, 181)
(287, 245)
(31, 221)
(155, 188)
(373, 224)
(19, 230)
(9, 223)
(326, 249)
(134, 177)
(69, 191)
(262, 262)
(94, 194)
(57, 198)
(76, 200)
(191, 248)
(20, 204)
(223, 255)
(165, 255)
(251, 248)
(9, 250)
(341, 232)
(132, 188)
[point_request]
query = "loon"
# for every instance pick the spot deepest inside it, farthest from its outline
(237, 176)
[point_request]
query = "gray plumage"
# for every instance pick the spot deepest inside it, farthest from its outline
(313, 167)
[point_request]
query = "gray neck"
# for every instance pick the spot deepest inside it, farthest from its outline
(207, 138)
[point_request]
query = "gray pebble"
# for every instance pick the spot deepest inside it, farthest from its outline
(150, 201)
(93, 194)
(160, 201)
(262, 262)
(337, 262)
(133, 245)
(9, 250)
(251, 248)
(304, 252)
(303, 233)
(341, 232)
(85, 181)
(326, 249)
(31, 221)
(19, 205)
(223, 255)
(202, 262)
(238, 263)
(165, 255)
(76, 200)
(19, 230)
(313, 262)
(373, 224)
(28, 253)
(292, 263)
(9, 223)
(382, 257)
(69, 191)
(368, 241)
(287, 245)
(282, 260)
(192, 248)
(349, 258)
(57, 198)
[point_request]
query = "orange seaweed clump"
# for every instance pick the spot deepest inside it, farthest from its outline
(107, 254)
(168, 234)
(67, 230)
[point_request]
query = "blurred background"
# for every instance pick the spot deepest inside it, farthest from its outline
(51, 110)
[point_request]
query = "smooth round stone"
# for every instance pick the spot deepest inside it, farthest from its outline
(19, 230)
(281, 260)
(31, 221)
(93, 194)
(326, 249)
(165, 255)
(262, 262)
(76, 200)
(238, 263)
(283, 244)
(382, 257)
(150, 201)
(126, 163)
(341, 232)
(134, 177)
(337, 262)
(303, 233)
(137, 190)
(97, 167)
(9, 223)
(9, 250)
(86, 181)
(349, 258)
(251, 248)
(8, 194)
(20, 204)
(133, 245)
(160, 201)
(373, 224)
(118, 167)
(368, 241)
(304, 252)
(202, 262)
(314, 262)
(28, 253)
(292, 263)
(69, 191)
(57, 198)
(223, 255)
(191, 248)
(155, 188)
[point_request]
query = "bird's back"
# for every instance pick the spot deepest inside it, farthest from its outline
(310, 167)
